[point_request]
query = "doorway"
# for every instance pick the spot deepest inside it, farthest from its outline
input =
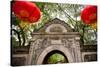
(55, 57)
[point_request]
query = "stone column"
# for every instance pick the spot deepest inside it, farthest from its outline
(78, 52)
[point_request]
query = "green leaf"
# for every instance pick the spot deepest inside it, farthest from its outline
(15, 20)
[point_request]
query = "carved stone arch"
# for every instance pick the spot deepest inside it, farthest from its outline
(55, 22)
(55, 28)
(60, 48)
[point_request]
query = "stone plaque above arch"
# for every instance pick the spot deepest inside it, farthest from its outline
(55, 25)
(56, 28)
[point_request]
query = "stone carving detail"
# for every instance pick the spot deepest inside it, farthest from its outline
(56, 28)
(46, 42)
(65, 43)
(70, 43)
(64, 27)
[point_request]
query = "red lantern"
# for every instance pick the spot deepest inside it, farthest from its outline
(26, 11)
(89, 14)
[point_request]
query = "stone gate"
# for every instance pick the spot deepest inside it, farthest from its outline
(55, 35)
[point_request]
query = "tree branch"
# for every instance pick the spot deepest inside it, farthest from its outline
(18, 35)
(67, 15)
(23, 35)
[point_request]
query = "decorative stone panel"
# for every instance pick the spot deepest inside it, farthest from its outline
(68, 40)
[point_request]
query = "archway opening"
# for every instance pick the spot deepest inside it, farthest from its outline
(55, 57)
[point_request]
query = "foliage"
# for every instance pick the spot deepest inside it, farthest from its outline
(70, 13)
(56, 58)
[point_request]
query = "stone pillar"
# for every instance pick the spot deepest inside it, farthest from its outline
(78, 52)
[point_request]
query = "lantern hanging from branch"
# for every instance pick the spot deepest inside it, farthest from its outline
(26, 11)
(89, 15)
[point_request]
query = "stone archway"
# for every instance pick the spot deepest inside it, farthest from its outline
(54, 35)
(60, 48)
